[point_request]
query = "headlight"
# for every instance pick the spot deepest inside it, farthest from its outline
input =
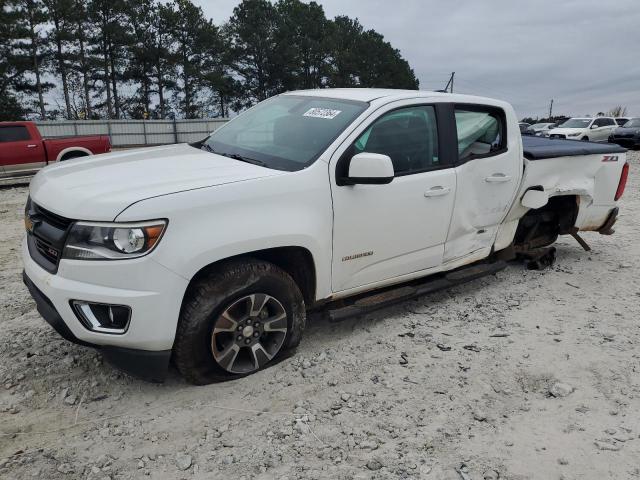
(112, 241)
(574, 134)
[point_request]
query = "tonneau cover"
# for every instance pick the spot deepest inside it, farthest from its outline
(538, 148)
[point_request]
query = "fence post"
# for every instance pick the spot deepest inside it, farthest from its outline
(175, 131)
(75, 128)
(109, 131)
(144, 131)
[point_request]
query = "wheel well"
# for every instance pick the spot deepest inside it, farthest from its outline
(296, 261)
(541, 226)
(73, 154)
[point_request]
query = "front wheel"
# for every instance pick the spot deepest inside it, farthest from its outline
(237, 320)
(585, 139)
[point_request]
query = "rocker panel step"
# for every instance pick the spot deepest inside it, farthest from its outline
(381, 299)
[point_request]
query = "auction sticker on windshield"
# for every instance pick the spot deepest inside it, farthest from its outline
(322, 113)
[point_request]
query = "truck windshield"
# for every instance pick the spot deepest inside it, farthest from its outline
(287, 132)
(576, 123)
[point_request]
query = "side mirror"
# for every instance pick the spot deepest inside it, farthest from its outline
(594, 126)
(534, 199)
(370, 169)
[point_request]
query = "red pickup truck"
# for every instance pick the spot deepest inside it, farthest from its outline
(23, 151)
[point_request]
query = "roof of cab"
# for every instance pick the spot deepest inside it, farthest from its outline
(363, 94)
(390, 94)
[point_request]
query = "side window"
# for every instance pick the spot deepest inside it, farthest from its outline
(480, 131)
(609, 122)
(599, 122)
(409, 136)
(14, 134)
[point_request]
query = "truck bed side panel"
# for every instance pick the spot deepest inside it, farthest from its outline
(593, 179)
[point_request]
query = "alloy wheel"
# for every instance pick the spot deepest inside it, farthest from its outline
(249, 333)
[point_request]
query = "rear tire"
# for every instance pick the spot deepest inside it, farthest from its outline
(585, 139)
(237, 320)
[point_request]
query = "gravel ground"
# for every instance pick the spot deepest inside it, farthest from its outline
(515, 376)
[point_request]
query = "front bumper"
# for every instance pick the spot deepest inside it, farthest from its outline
(144, 349)
(148, 365)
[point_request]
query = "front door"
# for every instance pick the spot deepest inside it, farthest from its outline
(18, 152)
(386, 231)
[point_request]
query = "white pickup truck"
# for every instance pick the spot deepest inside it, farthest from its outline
(212, 253)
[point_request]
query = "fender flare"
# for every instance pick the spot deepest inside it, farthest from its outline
(86, 151)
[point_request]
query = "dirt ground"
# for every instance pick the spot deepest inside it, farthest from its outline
(521, 375)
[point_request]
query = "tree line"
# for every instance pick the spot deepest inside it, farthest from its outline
(90, 59)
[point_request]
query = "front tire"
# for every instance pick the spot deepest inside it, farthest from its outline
(237, 320)
(585, 139)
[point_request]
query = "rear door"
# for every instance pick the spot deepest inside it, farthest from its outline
(604, 128)
(488, 172)
(609, 125)
(382, 232)
(19, 153)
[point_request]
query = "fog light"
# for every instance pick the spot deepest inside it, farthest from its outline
(102, 317)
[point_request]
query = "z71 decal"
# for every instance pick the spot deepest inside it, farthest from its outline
(610, 158)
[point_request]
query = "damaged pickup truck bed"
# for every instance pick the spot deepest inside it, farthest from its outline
(212, 253)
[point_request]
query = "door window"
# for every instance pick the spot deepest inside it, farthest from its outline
(14, 134)
(409, 136)
(480, 131)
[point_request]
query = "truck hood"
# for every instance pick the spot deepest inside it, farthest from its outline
(100, 187)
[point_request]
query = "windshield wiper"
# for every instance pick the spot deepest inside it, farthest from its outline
(242, 158)
(235, 156)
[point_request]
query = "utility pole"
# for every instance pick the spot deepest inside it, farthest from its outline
(449, 85)
(551, 108)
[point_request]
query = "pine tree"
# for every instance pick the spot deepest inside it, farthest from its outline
(111, 37)
(11, 70)
(30, 49)
(196, 42)
(252, 34)
(59, 12)
(163, 61)
(83, 63)
(143, 39)
(301, 37)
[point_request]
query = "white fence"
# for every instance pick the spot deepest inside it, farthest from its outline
(131, 133)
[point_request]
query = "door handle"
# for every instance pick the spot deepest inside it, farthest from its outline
(437, 191)
(498, 178)
(32, 145)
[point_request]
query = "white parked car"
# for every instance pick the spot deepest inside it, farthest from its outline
(587, 129)
(539, 129)
(211, 253)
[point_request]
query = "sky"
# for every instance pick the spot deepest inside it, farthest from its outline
(583, 54)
